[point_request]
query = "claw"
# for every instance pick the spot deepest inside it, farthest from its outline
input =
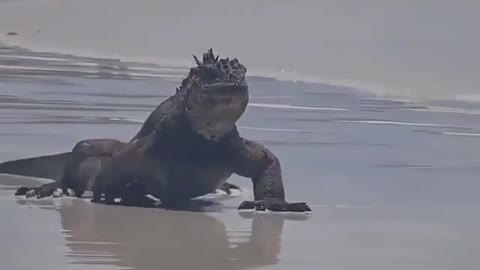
(299, 207)
(70, 192)
(246, 205)
(30, 193)
(57, 193)
(275, 205)
(260, 207)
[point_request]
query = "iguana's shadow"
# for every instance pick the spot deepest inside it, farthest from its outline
(143, 238)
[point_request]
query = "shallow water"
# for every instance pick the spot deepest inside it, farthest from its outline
(392, 184)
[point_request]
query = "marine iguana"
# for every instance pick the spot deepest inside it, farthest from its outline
(187, 147)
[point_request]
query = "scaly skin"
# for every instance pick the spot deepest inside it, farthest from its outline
(188, 147)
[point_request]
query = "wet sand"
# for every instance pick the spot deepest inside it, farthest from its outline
(393, 185)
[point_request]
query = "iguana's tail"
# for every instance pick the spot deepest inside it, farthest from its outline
(50, 167)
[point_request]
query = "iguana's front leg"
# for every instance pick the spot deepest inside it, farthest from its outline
(255, 161)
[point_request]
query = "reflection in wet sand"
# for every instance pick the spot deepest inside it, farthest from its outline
(139, 238)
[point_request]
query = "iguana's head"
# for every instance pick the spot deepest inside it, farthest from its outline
(217, 94)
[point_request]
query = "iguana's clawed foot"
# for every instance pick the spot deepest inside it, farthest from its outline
(43, 191)
(71, 193)
(27, 192)
(57, 193)
(40, 192)
(275, 205)
(22, 191)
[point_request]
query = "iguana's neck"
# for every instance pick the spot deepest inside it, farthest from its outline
(212, 130)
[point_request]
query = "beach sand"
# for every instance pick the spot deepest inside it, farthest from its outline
(392, 184)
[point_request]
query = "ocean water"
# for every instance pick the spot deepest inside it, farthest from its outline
(402, 49)
(370, 106)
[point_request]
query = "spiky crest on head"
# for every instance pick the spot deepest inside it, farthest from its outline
(213, 70)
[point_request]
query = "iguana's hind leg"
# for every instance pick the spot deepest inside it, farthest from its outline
(81, 172)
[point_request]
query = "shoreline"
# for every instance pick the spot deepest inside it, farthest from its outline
(181, 66)
(169, 69)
